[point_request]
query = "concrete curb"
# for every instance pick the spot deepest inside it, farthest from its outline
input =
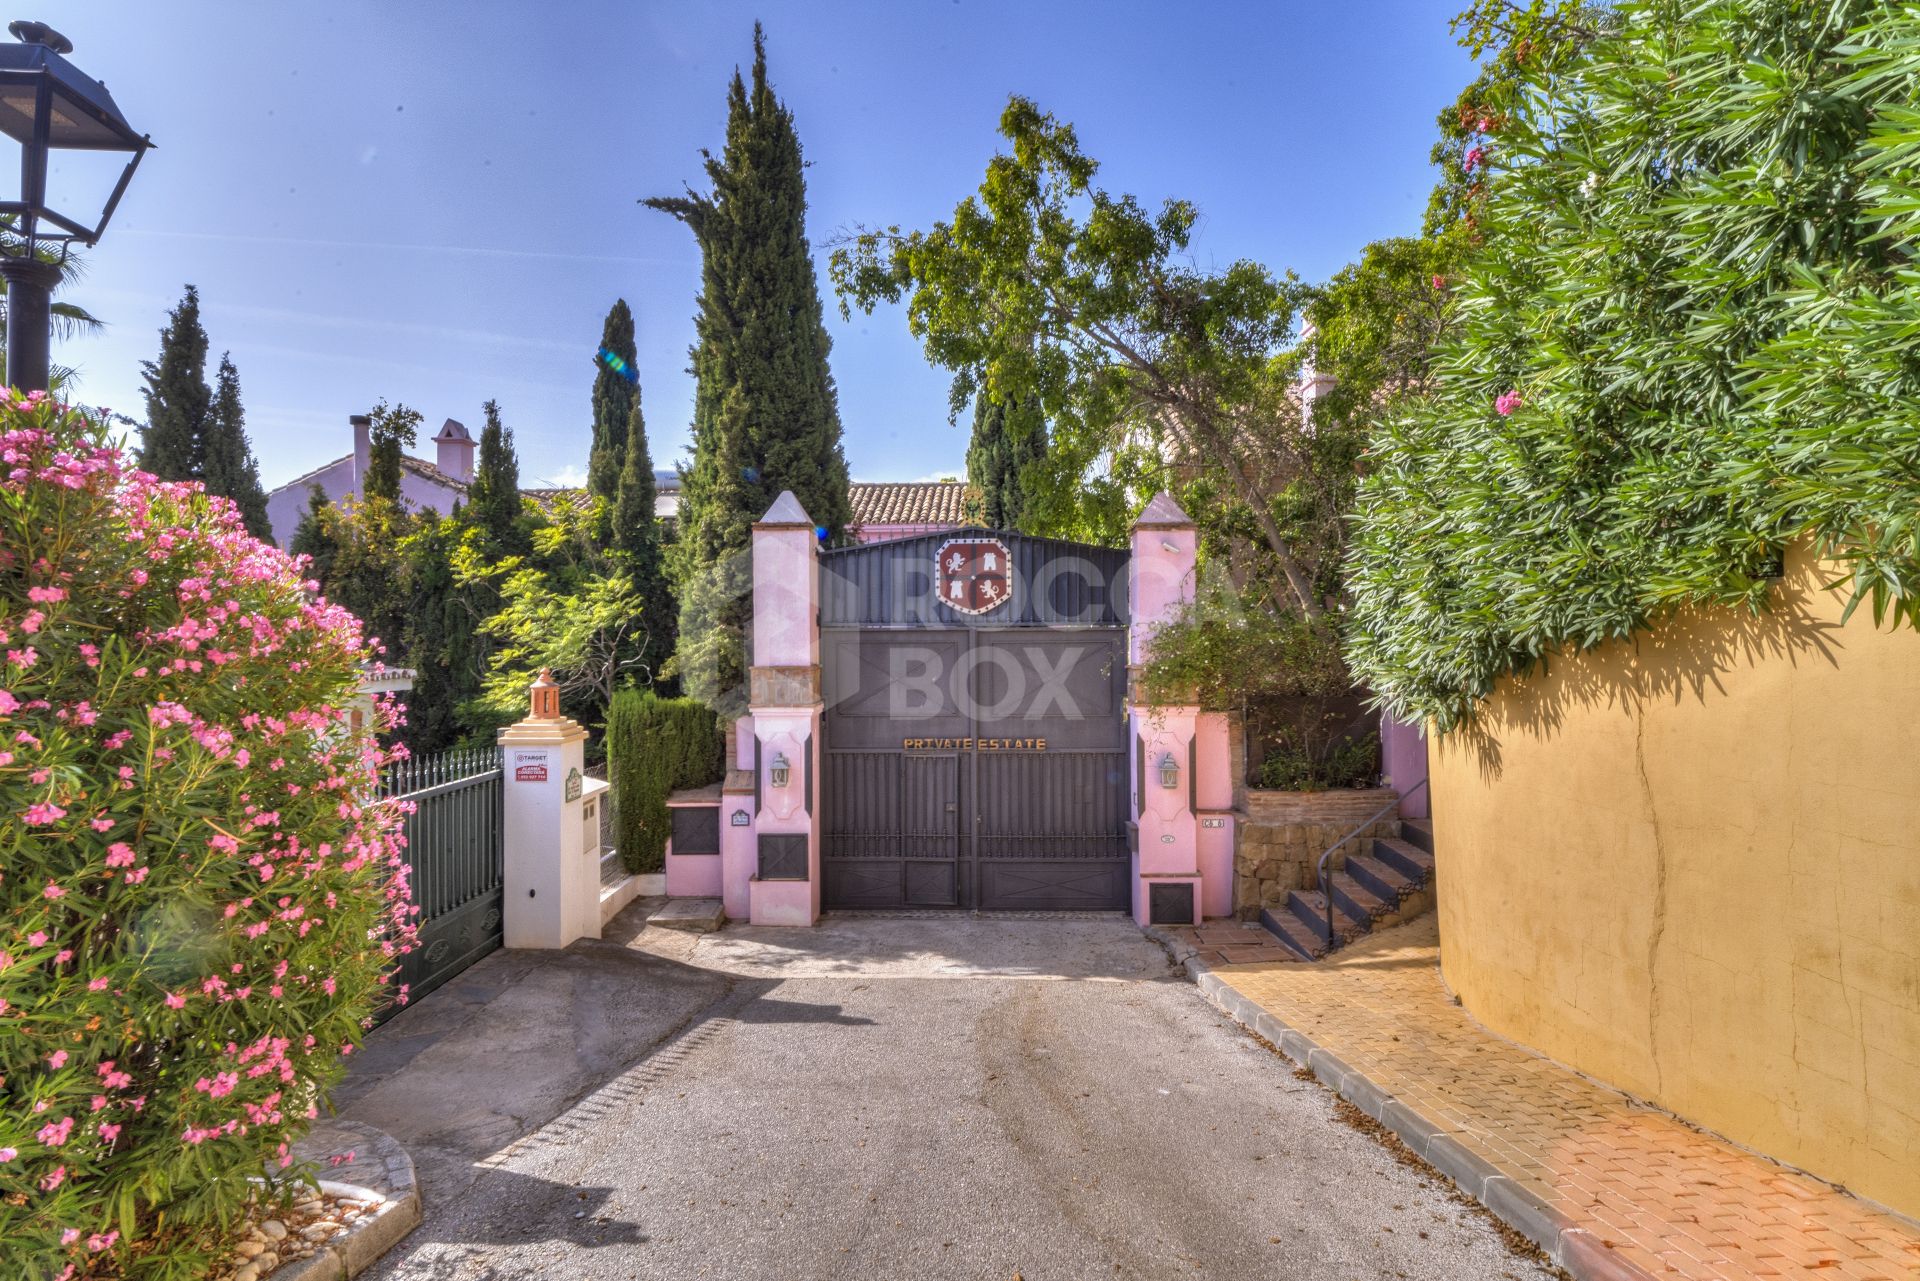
(399, 1213)
(1580, 1252)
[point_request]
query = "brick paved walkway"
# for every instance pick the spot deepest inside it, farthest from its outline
(1231, 943)
(1647, 1190)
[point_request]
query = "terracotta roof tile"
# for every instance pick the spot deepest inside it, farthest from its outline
(919, 502)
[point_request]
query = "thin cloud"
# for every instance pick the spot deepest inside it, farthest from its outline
(484, 251)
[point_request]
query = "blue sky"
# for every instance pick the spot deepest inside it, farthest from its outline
(435, 203)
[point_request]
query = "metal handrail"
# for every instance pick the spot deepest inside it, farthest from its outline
(1326, 881)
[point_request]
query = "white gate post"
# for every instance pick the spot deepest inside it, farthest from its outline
(552, 878)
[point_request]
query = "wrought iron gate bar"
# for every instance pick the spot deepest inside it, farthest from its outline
(455, 861)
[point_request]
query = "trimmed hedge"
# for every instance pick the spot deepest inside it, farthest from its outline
(656, 746)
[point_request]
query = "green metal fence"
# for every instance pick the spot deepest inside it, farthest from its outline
(455, 860)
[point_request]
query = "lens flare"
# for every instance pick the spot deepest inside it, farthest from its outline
(613, 361)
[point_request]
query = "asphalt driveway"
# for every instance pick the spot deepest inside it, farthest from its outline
(880, 1098)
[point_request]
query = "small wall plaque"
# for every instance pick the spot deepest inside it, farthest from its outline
(573, 784)
(740, 818)
(1166, 838)
(1213, 822)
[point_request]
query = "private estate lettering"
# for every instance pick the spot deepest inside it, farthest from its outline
(973, 744)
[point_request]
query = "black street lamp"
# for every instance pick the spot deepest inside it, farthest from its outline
(46, 103)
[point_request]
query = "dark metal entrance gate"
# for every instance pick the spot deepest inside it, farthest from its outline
(969, 765)
(456, 863)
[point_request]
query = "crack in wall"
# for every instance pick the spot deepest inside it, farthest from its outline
(1657, 930)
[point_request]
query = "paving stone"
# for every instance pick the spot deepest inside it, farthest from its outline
(1616, 1190)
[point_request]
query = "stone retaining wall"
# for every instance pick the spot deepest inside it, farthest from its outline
(1280, 836)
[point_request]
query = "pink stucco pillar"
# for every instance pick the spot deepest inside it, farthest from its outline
(1403, 760)
(784, 708)
(1166, 755)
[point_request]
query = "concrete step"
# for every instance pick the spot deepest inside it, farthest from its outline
(1358, 901)
(1408, 859)
(1385, 880)
(1293, 936)
(701, 915)
(1417, 832)
(1310, 909)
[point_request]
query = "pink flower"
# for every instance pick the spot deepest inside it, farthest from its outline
(38, 938)
(1507, 403)
(46, 595)
(119, 854)
(41, 813)
(57, 1060)
(69, 1236)
(55, 1179)
(97, 985)
(53, 891)
(175, 1001)
(108, 1133)
(55, 1133)
(101, 1240)
(1439, 282)
(7, 1154)
(1475, 157)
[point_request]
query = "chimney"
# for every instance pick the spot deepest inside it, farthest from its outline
(1313, 383)
(455, 451)
(362, 449)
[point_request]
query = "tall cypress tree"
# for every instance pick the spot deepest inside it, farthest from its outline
(636, 542)
(494, 504)
(614, 399)
(766, 416)
(227, 464)
(1006, 438)
(440, 637)
(178, 399)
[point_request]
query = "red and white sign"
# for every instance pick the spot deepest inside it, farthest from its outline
(529, 767)
(974, 575)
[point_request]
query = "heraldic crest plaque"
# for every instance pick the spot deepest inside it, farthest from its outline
(974, 575)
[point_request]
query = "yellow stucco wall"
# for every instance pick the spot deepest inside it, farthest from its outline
(1689, 865)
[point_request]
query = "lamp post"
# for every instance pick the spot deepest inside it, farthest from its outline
(47, 104)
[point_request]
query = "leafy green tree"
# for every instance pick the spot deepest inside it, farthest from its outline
(561, 607)
(766, 416)
(494, 503)
(228, 466)
(357, 560)
(313, 536)
(177, 395)
(392, 430)
(1048, 290)
(614, 399)
(1683, 340)
(445, 645)
(1008, 438)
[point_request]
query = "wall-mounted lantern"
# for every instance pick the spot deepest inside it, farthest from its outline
(1169, 771)
(781, 771)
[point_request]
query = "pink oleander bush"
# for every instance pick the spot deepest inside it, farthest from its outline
(199, 902)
